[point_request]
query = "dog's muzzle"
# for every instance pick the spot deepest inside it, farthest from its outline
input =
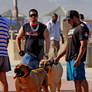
(18, 73)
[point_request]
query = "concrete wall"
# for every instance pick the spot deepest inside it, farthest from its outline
(12, 49)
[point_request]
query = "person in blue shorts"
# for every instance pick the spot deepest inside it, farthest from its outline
(75, 51)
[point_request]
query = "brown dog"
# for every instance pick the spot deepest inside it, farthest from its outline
(30, 80)
(54, 74)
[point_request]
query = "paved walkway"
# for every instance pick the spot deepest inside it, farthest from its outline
(67, 86)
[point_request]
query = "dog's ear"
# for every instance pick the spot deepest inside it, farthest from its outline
(28, 68)
(42, 63)
(18, 65)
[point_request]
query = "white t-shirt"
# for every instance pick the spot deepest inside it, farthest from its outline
(54, 30)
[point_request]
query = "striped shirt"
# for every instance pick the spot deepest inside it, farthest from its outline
(4, 36)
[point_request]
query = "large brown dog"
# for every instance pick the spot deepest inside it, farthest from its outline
(30, 80)
(54, 74)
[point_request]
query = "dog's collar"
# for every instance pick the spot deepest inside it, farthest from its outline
(51, 62)
(27, 74)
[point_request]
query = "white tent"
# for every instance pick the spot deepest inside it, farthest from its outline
(60, 11)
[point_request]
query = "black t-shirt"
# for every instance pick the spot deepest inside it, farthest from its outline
(34, 44)
(75, 35)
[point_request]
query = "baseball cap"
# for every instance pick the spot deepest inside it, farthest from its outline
(72, 13)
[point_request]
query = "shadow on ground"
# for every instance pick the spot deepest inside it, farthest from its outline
(60, 91)
(67, 91)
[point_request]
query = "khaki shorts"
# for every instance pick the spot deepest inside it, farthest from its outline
(54, 48)
(4, 64)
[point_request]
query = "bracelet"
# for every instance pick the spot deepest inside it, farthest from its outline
(46, 54)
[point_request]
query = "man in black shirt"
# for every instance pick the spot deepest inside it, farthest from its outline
(75, 51)
(35, 33)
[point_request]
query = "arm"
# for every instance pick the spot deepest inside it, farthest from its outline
(48, 26)
(8, 36)
(7, 41)
(82, 50)
(47, 40)
(18, 38)
(62, 38)
(61, 54)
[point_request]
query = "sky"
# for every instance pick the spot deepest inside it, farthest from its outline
(44, 6)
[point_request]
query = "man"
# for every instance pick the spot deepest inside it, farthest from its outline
(82, 20)
(4, 59)
(54, 33)
(34, 33)
(75, 51)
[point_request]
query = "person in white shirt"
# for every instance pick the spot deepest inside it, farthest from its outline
(55, 32)
(86, 23)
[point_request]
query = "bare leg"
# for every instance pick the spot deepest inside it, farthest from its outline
(84, 86)
(45, 85)
(52, 88)
(45, 88)
(59, 85)
(3, 82)
(52, 49)
(78, 86)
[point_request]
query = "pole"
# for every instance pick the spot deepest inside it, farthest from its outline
(16, 13)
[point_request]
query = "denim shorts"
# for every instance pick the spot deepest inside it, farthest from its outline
(75, 73)
(31, 61)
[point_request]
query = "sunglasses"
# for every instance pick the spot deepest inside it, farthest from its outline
(35, 15)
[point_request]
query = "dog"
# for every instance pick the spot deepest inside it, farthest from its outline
(29, 80)
(54, 71)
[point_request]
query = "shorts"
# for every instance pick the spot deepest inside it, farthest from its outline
(31, 61)
(4, 64)
(75, 73)
(54, 48)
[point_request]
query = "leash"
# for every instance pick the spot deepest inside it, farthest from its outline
(51, 62)
(27, 74)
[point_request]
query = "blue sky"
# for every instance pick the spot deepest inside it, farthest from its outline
(43, 6)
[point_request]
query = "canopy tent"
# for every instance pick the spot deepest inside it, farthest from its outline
(10, 13)
(10, 18)
(60, 11)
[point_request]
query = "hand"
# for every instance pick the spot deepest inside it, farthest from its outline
(56, 60)
(45, 57)
(21, 53)
(76, 63)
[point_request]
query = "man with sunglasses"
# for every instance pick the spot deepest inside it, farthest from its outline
(75, 51)
(35, 33)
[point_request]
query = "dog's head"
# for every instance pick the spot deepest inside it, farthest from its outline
(21, 70)
(46, 64)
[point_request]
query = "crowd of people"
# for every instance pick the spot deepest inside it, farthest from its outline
(35, 33)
